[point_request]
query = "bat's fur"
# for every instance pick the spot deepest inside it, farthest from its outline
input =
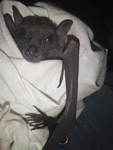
(38, 38)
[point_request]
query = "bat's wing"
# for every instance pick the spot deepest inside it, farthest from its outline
(68, 118)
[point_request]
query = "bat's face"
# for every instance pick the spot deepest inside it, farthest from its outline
(38, 38)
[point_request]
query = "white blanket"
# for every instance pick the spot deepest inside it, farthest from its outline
(21, 81)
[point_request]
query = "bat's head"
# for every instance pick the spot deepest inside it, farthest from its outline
(38, 38)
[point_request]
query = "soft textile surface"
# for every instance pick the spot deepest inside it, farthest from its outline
(21, 82)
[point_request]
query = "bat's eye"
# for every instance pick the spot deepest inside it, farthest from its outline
(22, 34)
(48, 39)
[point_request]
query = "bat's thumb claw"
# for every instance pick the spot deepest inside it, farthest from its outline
(59, 84)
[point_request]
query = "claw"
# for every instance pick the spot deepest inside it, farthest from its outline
(37, 127)
(38, 121)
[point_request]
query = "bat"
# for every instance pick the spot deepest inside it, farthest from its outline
(68, 51)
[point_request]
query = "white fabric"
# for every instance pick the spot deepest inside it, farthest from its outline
(21, 81)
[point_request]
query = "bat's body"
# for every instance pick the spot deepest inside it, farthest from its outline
(50, 44)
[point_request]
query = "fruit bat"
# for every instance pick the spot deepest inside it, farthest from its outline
(38, 38)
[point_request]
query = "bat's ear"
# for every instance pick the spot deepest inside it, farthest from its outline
(9, 22)
(17, 16)
(63, 29)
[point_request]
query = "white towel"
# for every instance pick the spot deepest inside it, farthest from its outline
(21, 81)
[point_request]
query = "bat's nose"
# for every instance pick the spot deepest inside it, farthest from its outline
(32, 52)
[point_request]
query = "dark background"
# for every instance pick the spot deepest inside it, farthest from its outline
(97, 14)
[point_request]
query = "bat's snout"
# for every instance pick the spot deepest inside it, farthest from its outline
(31, 53)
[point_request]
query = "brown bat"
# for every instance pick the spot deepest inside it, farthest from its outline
(57, 49)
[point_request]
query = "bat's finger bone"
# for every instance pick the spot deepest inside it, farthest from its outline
(31, 114)
(40, 111)
(38, 127)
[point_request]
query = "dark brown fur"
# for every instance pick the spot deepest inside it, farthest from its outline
(38, 38)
